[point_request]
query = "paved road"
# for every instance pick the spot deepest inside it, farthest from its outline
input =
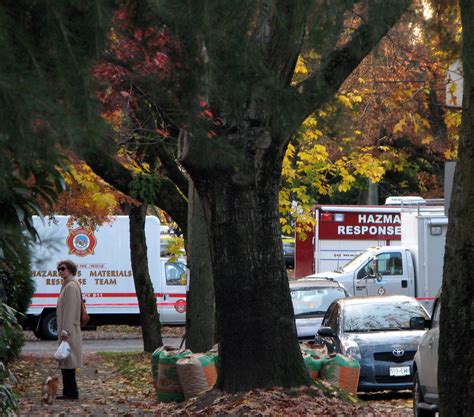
(100, 345)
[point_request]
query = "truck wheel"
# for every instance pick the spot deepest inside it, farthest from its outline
(48, 327)
(418, 398)
(38, 333)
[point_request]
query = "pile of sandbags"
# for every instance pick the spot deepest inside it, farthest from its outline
(165, 375)
(339, 370)
(179, 373)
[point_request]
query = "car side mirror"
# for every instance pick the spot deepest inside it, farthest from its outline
(419, 323)
(326, 332)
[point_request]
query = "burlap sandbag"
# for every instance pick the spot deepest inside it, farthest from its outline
(314, 349)
(169, 387)
(155, 358)
(197, 373)
(313, 365)
(341, 371)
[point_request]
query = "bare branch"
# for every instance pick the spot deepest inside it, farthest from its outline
(339, 63)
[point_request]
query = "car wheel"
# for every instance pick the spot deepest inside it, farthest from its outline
(418, 398)
(48, 327)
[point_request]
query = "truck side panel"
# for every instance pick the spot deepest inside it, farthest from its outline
(424, 234)
(332, 254)
(104, 265)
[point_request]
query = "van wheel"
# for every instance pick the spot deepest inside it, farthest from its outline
(48, 327)
(418, 398)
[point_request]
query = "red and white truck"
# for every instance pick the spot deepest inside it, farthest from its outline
(104, 273)
(412, 266)
(343, 231)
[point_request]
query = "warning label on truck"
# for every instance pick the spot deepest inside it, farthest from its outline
(351, 225)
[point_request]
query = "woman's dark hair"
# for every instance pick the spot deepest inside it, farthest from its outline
(70, 265)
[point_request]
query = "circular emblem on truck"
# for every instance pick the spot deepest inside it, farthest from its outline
(81, 242)
(180, 306)
(398, 352)
(381, 291)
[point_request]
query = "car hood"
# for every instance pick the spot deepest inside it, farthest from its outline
(328, 274)
(385, 341)
(308, 326)
(345, 279)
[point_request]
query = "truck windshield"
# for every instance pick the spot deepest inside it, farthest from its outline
(386, 316)
(314, 301)
(355, 262)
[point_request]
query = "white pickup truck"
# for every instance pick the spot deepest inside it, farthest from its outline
(414, 268)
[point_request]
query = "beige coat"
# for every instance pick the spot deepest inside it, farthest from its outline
(68, 314)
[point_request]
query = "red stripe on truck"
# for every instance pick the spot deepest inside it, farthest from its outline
(103, 304)
(111, 294)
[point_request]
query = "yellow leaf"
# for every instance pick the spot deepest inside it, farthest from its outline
(399, 126)
(345, 101)
(427, 139)
(301, 66)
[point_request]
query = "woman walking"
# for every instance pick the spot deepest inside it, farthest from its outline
(68, 314)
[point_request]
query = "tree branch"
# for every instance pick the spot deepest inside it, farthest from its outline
(167, 196)
(339, 63)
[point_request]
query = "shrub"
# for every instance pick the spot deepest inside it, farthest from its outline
(11, 341)
(15, 274)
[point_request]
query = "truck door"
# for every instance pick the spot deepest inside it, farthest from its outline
(172, 304)
(383, 275)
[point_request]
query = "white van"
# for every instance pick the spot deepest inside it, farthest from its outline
(104, 272)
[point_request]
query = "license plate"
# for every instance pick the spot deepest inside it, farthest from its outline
(399, 370)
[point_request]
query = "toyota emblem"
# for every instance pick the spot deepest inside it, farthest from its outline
(398, 352)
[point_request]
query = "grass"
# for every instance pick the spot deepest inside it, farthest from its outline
(135, 367)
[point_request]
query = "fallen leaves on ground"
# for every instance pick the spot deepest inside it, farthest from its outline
(120, 384)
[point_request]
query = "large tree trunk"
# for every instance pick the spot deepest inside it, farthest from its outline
(200, 309)
(258, 346)
(149, 317)
(456, 362)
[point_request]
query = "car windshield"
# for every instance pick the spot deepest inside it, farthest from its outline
(355, 262)
(314, 301)
(390, 315)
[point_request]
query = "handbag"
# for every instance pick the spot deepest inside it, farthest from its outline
(63, 351)
(85, 318)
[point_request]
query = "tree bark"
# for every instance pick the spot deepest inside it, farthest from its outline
(456, 362)
(258, 346)
(149, 317)
(200, 309)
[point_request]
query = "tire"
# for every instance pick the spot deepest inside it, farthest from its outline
(418, 398)
(48, 328)
(38, 333)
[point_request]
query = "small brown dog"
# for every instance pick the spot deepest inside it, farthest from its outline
(49, 389)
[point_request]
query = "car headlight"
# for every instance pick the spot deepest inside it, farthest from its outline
(351, 348)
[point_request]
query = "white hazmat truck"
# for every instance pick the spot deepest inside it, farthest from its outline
(413, 268)
(104, 273)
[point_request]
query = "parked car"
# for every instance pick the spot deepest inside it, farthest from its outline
(311, 298)
(425, 367)
(289, 251)
(377, 332)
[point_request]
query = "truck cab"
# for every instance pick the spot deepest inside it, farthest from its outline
(385, 270)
